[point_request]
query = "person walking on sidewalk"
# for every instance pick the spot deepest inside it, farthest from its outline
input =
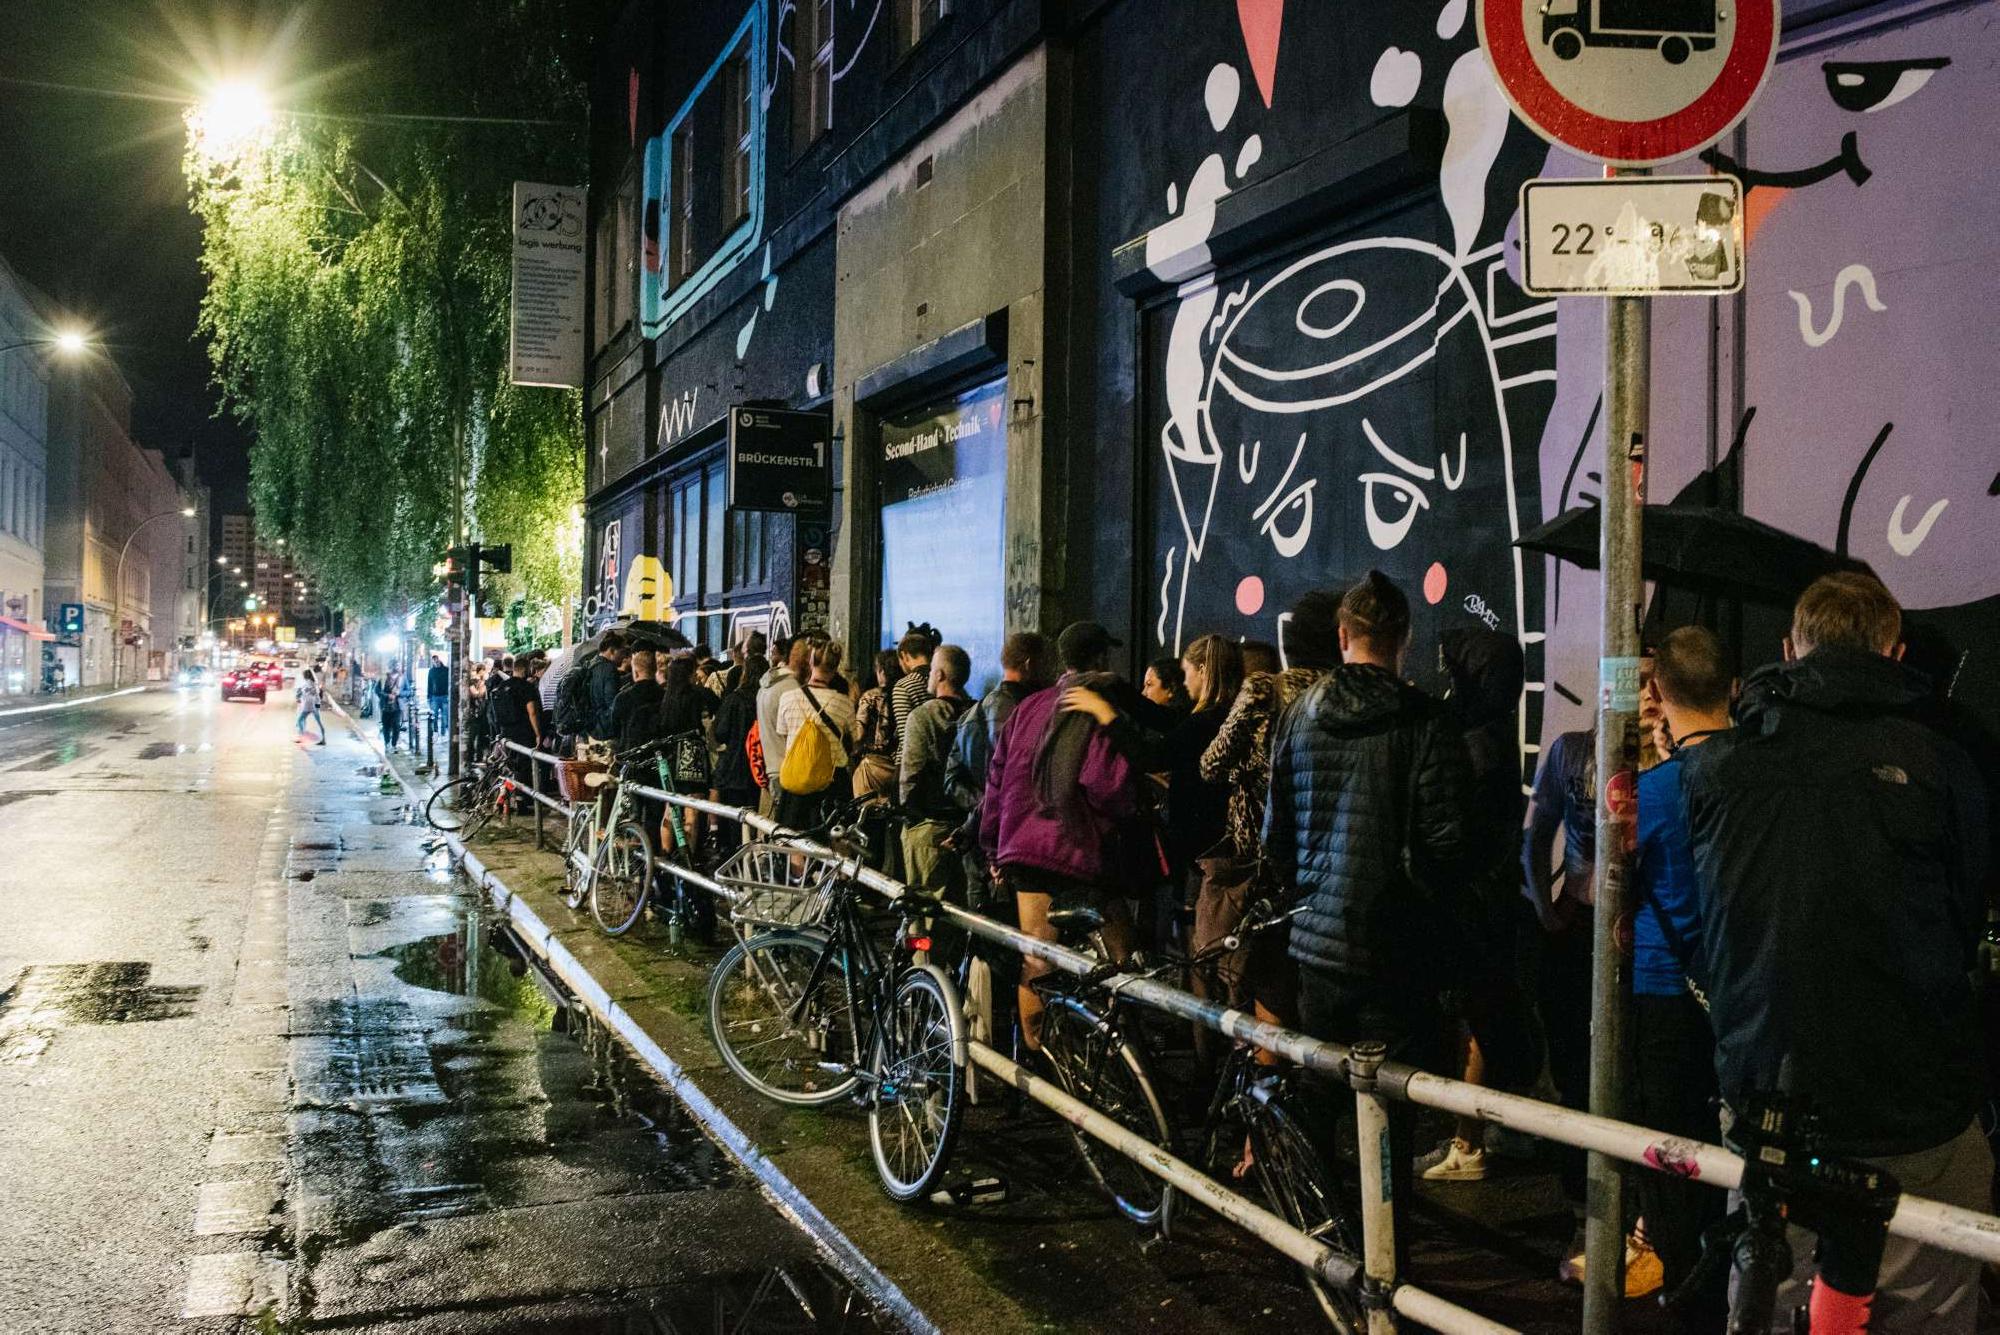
(310, 700)
(437, 692)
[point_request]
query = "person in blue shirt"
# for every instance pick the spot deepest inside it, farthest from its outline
(1673, 1047)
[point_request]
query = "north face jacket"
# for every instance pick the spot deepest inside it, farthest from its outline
(1366, 819)
(1840, 848)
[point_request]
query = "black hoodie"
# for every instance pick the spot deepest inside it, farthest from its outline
(1839, 844)
(1367, 820)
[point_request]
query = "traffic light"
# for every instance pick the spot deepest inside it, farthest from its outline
(457, 562)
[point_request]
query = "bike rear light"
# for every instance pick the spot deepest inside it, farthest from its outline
(920, 943)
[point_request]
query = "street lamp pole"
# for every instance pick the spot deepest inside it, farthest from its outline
(118, 586)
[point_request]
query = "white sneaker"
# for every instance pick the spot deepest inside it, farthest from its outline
(1461, 1163)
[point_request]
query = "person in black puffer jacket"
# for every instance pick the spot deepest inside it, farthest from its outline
(1366, 820)
(1843, 865)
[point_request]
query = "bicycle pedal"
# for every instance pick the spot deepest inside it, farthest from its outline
(971, 1191)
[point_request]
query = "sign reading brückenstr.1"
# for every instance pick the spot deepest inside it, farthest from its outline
(780, 460)
(1632, 236)
(545, 335)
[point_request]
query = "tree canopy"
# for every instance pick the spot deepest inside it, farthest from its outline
(359, 263)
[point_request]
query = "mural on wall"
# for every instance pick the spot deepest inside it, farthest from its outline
(1867, 422)
(1373, 402)
(1390, 398)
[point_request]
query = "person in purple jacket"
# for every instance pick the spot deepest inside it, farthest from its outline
(1062, 802)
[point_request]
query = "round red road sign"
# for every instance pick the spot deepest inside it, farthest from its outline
(1630, 82)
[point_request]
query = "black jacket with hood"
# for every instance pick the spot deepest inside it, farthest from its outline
(1839, 844)
(1486, 668)
(1367, 820)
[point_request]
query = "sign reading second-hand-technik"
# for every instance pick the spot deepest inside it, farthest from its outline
(545, 335)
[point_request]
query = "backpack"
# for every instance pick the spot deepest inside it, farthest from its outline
(809, 757)
(753, 749)
(573, 697)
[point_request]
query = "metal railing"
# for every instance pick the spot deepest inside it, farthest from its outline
(1373, 1080)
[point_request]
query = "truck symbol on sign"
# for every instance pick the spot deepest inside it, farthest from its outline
(1675, 28)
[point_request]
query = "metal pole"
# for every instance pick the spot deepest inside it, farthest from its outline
(1627, 368)
(535, 779)
(1378, 1204)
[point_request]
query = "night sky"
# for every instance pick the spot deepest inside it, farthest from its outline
(93, 208)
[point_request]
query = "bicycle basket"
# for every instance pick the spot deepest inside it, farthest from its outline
(771, 886)
(570, 778)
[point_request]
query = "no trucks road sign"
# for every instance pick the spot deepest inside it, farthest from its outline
(1633, 83)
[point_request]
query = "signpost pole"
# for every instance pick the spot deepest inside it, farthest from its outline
(1627, 369)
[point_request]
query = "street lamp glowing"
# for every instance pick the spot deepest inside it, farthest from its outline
(70, 342)
(230, 121)
(187, 512)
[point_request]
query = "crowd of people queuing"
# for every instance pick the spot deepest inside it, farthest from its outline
(1812, 870)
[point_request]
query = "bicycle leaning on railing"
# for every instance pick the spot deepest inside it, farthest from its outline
(467, 804)
(852, 1007)
(608, 854)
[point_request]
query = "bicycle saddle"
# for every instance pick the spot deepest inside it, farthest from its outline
(597, 779)
(1080, 920)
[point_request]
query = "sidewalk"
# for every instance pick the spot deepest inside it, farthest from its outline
(1053, 1257)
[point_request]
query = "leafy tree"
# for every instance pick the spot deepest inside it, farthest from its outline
(359, 264)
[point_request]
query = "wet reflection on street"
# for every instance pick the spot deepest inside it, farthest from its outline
(456, 1119)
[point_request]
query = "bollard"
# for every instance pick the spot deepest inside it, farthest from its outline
(1378, 1218)
(535, 779)
(430, 741)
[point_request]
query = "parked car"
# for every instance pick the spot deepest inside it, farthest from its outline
(244, 684)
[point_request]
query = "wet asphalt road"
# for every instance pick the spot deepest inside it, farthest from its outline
(260, 1056)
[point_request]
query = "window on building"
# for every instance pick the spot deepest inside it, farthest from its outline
(914, 20)
(749, 550)
(680, 234)
(812, 72)
(625, 272)
(738, 120)
(713, 529)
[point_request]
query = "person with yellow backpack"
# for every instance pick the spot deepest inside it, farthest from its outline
(815, 729)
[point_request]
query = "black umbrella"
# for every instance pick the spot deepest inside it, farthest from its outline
(1716, 552)
(644, 634)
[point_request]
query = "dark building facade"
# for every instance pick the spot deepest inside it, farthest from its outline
(1166, 311)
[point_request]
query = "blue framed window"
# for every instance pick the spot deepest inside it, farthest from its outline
(686, 273)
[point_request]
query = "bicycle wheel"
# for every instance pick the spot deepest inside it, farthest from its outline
(450, 807)
(789, 1046)
(1297, 1186)
(920, 1085)
(575, 884)
(1096, 1064)
(624, 878)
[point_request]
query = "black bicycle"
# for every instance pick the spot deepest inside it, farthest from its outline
(852, 1008)
(1254, 1133)
(1099, 1056)
(467, 804)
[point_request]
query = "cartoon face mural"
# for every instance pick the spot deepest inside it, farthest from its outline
(1868, 413)
(1355, 405)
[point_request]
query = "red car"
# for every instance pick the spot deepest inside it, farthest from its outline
(243, 684)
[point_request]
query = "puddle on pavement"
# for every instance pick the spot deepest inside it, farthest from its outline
(23, 794)
(48, 998)
(160, 750)
(481, 1088)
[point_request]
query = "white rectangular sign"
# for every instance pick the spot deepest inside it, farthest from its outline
(545, 339)
(1632, 236)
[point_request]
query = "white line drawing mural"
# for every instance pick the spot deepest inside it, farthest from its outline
(1904, 542)
(1858, 276)
(1354, 362)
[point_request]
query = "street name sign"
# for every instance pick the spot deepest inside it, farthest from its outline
(1633, 83)
(545, 335)
(1632, 236)
(780, 460)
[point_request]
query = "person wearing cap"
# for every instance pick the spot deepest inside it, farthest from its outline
(1060, 797)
